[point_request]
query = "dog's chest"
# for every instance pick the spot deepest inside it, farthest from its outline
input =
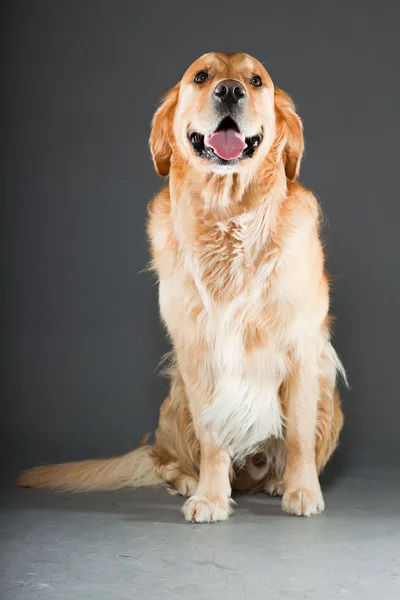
(245, 408)
(245, 356)
(219, 295)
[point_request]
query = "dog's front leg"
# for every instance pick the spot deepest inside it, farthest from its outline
(212, 499)
(302, 491)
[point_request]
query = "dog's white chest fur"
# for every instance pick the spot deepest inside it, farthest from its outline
(245, 408)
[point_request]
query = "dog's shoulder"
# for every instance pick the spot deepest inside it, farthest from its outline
(303, 199)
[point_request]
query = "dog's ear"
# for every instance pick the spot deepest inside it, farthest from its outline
(290, 128)
(161, 132)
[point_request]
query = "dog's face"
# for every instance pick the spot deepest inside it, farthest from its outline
(224, 116)
(225, 111)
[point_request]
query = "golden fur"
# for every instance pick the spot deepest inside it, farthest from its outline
(253, 402)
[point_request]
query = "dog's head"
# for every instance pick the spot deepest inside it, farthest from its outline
(224, 116)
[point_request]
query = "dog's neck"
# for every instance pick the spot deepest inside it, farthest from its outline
(225, 196)
(218, 211)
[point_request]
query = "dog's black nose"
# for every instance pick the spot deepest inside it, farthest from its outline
(230, 90)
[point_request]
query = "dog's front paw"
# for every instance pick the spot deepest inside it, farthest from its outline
(303, 502)
(201, 509)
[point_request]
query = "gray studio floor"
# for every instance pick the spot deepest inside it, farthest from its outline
(136, 545)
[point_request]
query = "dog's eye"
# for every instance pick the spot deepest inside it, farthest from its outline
(201, 77)
(256, 81)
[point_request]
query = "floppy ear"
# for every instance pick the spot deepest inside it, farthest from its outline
(290, 128)
(161, 132)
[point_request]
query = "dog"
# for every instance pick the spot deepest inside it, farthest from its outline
(253, 402)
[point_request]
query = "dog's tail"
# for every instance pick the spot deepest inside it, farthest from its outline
(135, 469)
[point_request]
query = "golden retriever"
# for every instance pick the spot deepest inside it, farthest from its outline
(253, 403)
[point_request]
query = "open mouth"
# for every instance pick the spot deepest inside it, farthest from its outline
(227, 145)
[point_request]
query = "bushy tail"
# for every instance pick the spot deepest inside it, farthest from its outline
(135, 469)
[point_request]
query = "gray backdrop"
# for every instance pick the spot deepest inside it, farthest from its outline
(81, 80)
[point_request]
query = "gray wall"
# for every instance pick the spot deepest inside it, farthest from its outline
(80, 84)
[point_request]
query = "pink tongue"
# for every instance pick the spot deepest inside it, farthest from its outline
(227, 144)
